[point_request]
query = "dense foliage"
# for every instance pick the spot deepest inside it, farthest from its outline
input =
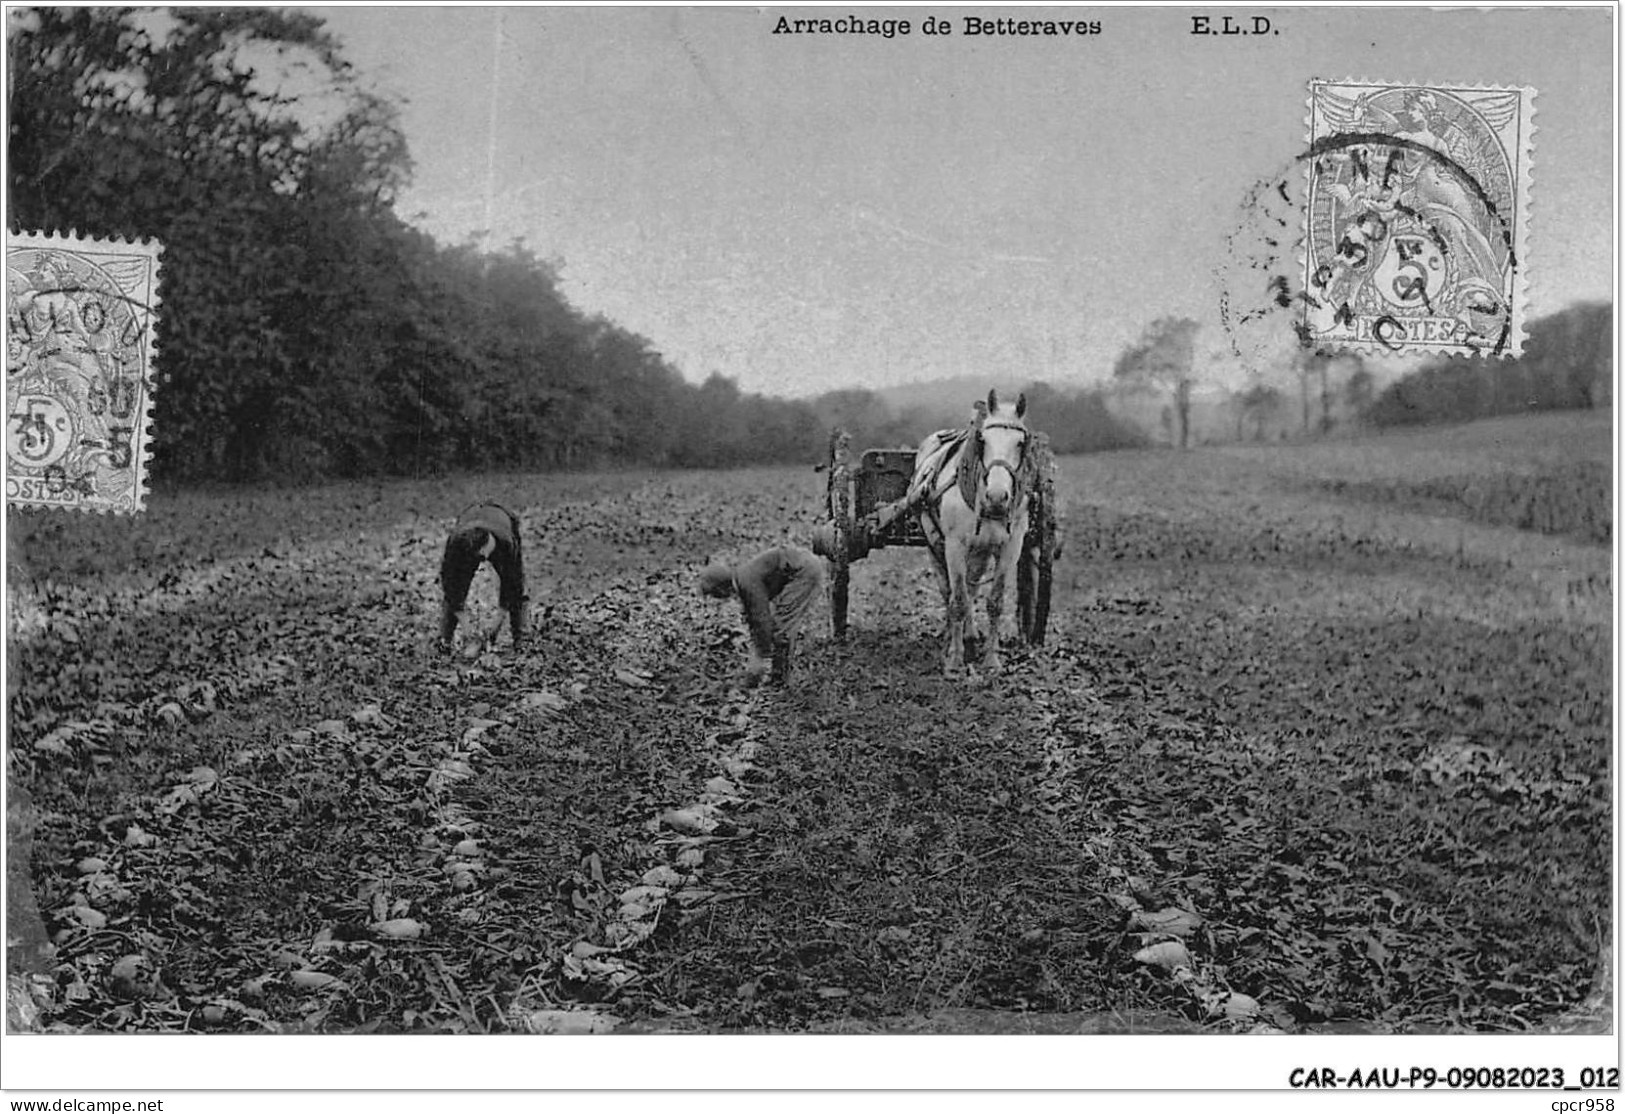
(307, 330)
(1079, 421)
(1567, 364)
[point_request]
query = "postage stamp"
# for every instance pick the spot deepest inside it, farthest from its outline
(1415, 217)
(79, 371)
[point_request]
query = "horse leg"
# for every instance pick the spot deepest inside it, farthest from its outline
(1009, 556)
(958, 613)
(940, 567)
(995, 612)
(975, 568)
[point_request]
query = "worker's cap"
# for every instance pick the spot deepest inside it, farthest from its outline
(716, 579)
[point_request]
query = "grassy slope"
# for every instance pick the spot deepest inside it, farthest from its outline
(1366, 740)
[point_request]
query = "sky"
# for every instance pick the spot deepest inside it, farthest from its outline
(801, 212)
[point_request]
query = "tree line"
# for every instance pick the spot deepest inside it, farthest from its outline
(307, 331)
(1567, 363)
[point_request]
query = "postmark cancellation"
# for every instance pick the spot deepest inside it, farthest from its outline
(79, 371)
(1416, 217)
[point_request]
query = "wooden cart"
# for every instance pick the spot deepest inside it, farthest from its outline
(869, 509)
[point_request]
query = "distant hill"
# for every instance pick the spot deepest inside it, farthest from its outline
(953, 398)
(1567, 363)
(1074, 416)
(1138, 415)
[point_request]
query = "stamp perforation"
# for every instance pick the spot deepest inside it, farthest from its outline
(1419, 268)
(82, 357)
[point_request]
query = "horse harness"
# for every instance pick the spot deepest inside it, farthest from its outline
(972, 473)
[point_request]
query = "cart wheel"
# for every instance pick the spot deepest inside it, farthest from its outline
(1035, 572)
(840, 517)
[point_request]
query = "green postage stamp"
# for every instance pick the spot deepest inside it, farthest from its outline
(79, 371)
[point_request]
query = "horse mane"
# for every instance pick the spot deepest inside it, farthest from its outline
(1028, 471)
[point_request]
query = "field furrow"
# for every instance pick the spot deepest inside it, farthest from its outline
(1353, 751)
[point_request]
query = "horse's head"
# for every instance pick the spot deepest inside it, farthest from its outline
(1001, 445)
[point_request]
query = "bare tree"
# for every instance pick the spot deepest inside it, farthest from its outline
(1256, 404)
(1163, 359)
(1314, 370)
(1359, 391)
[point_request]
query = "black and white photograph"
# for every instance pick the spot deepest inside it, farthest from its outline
(931, 547)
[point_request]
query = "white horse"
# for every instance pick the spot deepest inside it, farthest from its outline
(975, 514)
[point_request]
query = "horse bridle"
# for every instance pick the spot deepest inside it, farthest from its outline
(1017, 471)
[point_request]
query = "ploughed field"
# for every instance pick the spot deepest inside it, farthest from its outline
(1333, 718)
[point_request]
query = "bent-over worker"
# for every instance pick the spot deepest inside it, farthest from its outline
(777, 589)
(483, 532)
